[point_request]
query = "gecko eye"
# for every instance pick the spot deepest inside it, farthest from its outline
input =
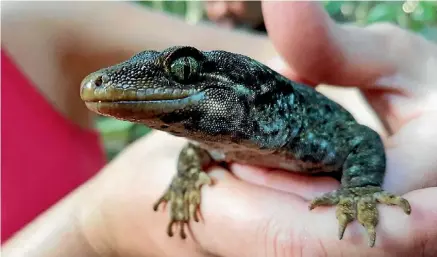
(184, 68)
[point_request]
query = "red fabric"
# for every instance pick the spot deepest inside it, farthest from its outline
(44, 156)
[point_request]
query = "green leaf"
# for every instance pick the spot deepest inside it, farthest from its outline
(387, 12)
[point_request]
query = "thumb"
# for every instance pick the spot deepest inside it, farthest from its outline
(321, 51)
(303, 34)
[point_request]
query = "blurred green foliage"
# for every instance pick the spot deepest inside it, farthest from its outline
(417, 16)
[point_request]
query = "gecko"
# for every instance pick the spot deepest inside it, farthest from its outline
(233, 108)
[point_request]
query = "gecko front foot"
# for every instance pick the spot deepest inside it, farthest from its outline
(183, 194)
(359, 203)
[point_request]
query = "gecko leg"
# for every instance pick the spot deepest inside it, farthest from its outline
(183, 193)
(360, 191)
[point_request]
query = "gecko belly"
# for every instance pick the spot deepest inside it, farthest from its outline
(263, 158)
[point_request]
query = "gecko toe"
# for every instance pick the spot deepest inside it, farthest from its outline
(360, 203)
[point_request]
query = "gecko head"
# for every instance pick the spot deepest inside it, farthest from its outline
(180, 87)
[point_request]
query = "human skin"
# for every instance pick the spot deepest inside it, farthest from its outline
(254, 212)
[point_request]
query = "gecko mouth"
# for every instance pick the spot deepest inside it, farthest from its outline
(113, 95)
(133, 103)
(143, 105)
(97, 87)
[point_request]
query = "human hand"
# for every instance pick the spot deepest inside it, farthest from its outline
(269, 216)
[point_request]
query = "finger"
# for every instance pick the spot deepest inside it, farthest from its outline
(307, 187)
(304, 36)
(411, 156)
(408, 91)
(322, 51)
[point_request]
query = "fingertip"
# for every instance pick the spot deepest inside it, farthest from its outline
(303, 34)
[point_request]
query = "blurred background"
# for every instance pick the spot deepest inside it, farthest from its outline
(417, 16)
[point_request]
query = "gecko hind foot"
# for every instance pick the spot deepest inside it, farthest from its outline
(183, 194)
(359, 203)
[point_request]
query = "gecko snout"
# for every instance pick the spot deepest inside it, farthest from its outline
(90, 83)
(96, 79)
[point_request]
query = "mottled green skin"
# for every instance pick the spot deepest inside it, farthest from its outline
(238, 110)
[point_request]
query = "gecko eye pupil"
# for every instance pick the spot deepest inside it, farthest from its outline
(184, 69)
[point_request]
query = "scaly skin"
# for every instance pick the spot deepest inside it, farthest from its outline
(236, 109)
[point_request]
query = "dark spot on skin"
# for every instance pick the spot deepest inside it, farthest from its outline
(99, 81)
(328, 108)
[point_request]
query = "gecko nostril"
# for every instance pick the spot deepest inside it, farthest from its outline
(98, 81)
